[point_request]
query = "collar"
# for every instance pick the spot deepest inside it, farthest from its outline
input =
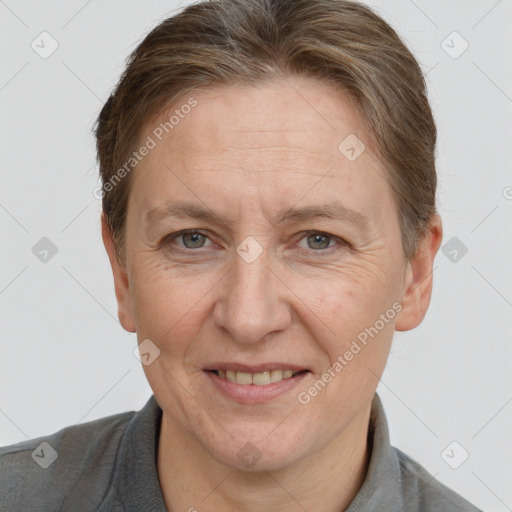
(382, 486)
(136, 486)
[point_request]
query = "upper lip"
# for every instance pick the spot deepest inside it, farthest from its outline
(253, 368)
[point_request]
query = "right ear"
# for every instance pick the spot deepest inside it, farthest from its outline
(121, 282)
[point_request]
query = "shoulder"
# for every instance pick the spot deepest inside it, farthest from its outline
(422, 492)
(76, 461)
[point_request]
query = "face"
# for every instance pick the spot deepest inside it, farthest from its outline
(257, 249)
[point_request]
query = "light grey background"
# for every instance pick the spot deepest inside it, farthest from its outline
(65, 359)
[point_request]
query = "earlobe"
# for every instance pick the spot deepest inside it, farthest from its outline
(418, 278)
(121, 283)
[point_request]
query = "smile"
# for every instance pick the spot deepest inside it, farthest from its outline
(262, 384)
(259, 378)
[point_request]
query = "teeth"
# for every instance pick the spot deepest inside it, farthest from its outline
(258, 379)
(276, 375)
(243, 378)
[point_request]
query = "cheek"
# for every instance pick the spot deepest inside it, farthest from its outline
(341, 310)
(169, 306)
(353, 327)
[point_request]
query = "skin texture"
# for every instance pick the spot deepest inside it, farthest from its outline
(246, 154)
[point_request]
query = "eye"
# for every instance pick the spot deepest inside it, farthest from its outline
(317, 240)
(190, 239)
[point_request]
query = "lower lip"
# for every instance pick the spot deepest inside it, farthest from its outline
(252, 393)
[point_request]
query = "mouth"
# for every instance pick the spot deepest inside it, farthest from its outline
(255, 384)
(261, 378)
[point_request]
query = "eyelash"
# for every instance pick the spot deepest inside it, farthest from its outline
(340, 241)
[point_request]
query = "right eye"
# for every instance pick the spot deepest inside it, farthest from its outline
(190, 239)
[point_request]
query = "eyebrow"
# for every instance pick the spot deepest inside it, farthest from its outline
(184, 210)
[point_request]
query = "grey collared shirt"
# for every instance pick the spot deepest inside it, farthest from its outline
(110, 465)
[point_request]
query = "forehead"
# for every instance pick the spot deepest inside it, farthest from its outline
(278, 139)
(299, 113)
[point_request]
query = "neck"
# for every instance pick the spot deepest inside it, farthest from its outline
(325, 481)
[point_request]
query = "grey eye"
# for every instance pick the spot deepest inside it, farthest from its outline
(193, 240)
(317, 241)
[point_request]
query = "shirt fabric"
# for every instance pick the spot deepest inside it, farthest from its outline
(109, 465)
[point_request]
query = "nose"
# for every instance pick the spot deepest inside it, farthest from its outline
(252, 302)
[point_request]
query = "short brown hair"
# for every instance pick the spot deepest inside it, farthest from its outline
(250, 42)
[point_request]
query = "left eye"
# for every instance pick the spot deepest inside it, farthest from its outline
(316, 240)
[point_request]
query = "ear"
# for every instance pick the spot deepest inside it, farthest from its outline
(418, 278)
(121, 283)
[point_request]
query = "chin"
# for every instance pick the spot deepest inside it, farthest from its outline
(253, 453)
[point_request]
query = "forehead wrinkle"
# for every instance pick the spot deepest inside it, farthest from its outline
(241, 160)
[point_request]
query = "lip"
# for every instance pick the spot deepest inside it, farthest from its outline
(253, 368)
(251, 393)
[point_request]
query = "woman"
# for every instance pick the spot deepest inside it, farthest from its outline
(269, 214)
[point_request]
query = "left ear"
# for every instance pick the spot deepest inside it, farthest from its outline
(418, 278)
